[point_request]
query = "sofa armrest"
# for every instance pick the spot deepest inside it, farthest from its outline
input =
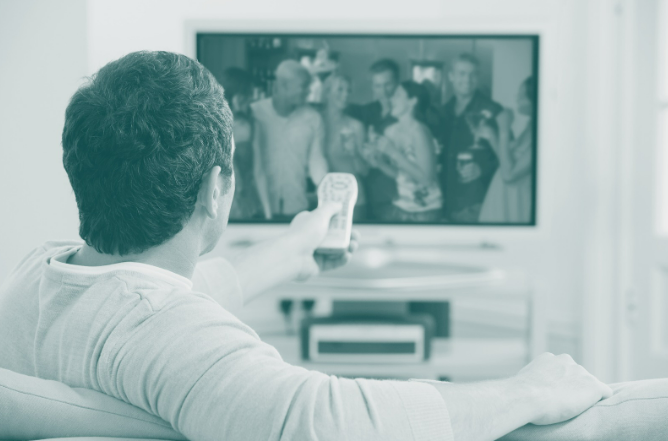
(638, 411)
(33, 408)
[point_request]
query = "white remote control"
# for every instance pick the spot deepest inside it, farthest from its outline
(338, 187)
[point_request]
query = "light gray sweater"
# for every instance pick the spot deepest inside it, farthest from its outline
(142, 334)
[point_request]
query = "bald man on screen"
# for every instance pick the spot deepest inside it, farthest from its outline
(290, 141)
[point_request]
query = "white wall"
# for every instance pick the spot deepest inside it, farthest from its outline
(43, 57)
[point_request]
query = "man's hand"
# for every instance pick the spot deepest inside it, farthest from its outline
(307, 230)
(548, 390)
(565, 388)
(290, 256)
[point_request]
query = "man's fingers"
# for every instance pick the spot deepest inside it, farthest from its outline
(329, 261)
(329, 209)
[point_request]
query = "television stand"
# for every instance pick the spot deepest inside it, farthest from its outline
(382, 275)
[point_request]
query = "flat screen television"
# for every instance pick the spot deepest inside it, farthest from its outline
(437, 129)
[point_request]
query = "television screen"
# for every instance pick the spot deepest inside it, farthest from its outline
(437, 129)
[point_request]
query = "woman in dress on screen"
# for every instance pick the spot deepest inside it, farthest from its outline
(510, 195)
(238, 86)
(410, 146)
(344, 136)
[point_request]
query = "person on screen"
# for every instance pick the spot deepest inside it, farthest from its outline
(344, 136)
(410, 147)
(466, 167)
(290, 141)
(510, 195)
(132, 311)
(238, 86)
(381, 189)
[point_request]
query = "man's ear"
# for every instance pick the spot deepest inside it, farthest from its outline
(209, 192)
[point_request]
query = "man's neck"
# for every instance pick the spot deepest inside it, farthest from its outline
(175, 255)
(462, 101)
(281, 107)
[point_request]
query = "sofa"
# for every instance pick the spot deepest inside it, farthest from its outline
(33, 408)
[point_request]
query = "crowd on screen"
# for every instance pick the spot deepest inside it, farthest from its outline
(415, 161)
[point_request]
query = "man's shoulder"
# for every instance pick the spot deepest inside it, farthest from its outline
(145, 296)
(163, 298)
(307, 110)
(38, 255)
(307, 113)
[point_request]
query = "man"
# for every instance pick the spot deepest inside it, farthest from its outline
(466, 167)
(290, 139)
(238, 85)
(148, 150)
(380, 183)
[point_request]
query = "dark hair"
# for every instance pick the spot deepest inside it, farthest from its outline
(530, 89)
(466, 57)
(137, 141)
(236, 81)
(385, 65)
(416, 90)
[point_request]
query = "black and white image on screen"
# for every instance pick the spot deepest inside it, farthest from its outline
(437, 130)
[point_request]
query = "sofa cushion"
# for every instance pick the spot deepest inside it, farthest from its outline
(638, 411)
(33, 408)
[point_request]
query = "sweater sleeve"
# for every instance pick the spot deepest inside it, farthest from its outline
(191, 362)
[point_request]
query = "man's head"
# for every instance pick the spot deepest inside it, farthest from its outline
(464, 75)
(147, 146)
(384, 79)
(292, 84)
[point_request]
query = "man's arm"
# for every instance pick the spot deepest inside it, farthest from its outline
(192, 363)
(290, 256)
(286, 258)
(317, 163)
(196, 366)
(549, 390)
